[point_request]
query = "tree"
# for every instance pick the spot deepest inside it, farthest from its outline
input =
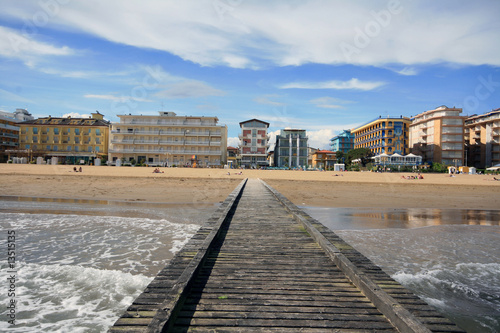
(363, 154)
(339, 155)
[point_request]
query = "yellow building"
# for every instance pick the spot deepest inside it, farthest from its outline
(383, 135)
(482, 136)
(438, 136)
(323, 159)
(71, 140)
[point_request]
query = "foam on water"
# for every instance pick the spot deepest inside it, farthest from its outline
(68, 298)
(455, 268)
(135, 245)
(78, 273)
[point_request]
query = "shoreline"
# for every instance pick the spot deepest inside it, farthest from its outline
(303, 188)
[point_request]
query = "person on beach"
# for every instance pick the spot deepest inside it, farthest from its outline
(80, 170)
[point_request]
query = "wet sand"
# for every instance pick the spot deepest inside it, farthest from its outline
(307, 188)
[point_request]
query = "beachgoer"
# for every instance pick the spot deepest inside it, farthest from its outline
(80, 170)
(74, 169)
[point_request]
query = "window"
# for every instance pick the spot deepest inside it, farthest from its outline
(97, 149)
(77, 131)
(35, 130)
(48, 147)
(68, 148)
(27, 146)
(89, 149)
(56, 131)
(76, 148)
(77, 140)
(97, 131)
(35, 139)
(55, 148)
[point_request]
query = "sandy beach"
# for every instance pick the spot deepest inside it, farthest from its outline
(306, 188)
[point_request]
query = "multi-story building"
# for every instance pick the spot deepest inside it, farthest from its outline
(291, 149)
(254, 143)
(438, 136)
(71, 140)
(342, 142)
(482, 140)
(387, 135)
(232, 157)
(324, 159)
(168, 139)
(9, 132)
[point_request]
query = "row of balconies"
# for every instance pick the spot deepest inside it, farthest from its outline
(165, 122)
(9, 143)
(8, 135)
(163, 151)
(163, 132)
(62, 141)
(170, 143)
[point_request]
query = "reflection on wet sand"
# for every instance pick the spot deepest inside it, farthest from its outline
(375, 218)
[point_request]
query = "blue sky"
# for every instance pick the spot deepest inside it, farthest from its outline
(322, 66)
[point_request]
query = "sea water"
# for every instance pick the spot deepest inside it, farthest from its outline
(448, 257)
(78, 266)
(80, 263)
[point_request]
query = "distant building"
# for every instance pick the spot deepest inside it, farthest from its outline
(387, 135)
(291, 149)
(438, 136)
(324, 159)
(310, 155)
(342, 142)
(9, 132)
(71, 140)
(232, 157)
(253, 143)
(168, 139)
(482, 140)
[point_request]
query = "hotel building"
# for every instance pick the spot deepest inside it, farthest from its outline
(342, 142)
(71, 140)
(324, 159)
(383, 135)
(9, 132)
(482, 139)
(253, 143)
(168, 139)
(291, 149)
(438, 136)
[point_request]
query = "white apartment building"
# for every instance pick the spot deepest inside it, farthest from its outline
(254, 142)
(168, 139)
(438, 136)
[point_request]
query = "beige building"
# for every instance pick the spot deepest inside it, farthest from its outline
(168, 139)
(438, 136)
(482, 138)
(254, 142)
(71, 140)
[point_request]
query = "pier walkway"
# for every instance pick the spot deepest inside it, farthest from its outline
(260, 264)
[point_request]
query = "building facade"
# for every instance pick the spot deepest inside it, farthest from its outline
(342, 142)
(254, 142)
(168, 139)
(482, 140)
(71, 140)
(291, 149)
(233, 157)
(438, 136)
(9, 133)
(324, 159)
(383, 135)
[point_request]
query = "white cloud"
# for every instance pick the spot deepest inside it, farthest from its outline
(266, 99)
(252, 33)
(320, 138)
(76, 115)
(189, 89)
(329, 102)
(115, 98)
(353, 83)
(16, 44)
(233, 142)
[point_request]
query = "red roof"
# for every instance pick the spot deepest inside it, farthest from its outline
(324, 152)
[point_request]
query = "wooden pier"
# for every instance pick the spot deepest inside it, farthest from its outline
(261, 264)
